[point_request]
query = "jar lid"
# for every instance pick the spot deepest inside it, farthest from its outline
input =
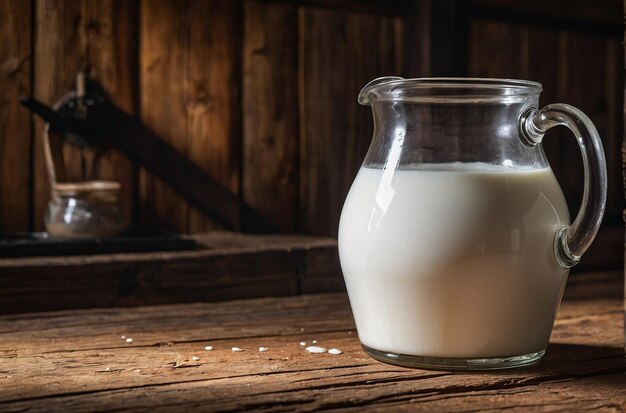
(85, 188)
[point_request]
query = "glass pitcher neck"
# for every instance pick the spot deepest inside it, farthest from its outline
(448, 90)
(448, 120)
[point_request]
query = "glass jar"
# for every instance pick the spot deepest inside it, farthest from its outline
(85, 210)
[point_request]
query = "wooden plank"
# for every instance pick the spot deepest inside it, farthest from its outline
(497, 50)
(614, 81)
(77, 361)
(594, 285)
(15, 126)
(98, 35)
(605, 252)
(339, 54)
(604, 17)
(321, 272)
(226, 267)
(449, 34)
(417, 39)
(190, 71)
(270, 121)
(174, 168)
(386, 7)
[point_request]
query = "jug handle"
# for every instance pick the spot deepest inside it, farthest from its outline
(363, 94)
(571, 242)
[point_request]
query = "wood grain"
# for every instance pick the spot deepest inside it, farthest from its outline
(385, 7)
(448, 38)
(225, 266)
(498, 50)
(190, 70)
(97, 36)
(15, 126)
(614, 132)
(604, 17)
(339, 54)
(417, 39)
(270, 104)
(77, 361)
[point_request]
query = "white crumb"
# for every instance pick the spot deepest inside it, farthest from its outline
(316, 349)
(107, 369)
(303, 343)
(123, 337)
(235, 349)
(262, 349)
(335, 351)
(129, 340)
(314, 341)
(195, 358)
(208, 348)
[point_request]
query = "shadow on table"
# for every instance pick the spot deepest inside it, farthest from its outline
(576, 360)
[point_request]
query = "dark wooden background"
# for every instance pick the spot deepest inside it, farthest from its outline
(262, 94)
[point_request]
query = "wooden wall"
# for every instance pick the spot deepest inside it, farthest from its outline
(262, 94)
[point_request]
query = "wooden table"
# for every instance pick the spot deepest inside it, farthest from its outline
(77, 360)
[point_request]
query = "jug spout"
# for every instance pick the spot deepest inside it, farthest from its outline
(363, 94)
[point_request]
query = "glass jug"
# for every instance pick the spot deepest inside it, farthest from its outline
(455, 239)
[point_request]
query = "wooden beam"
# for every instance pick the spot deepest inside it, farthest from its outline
(384, 7)
(270, 124)
(603, 17)
(449, 38)
(15, 122)
(226, 266)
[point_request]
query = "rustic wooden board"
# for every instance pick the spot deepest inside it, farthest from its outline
(15, 126)
(384, 7)
(339, 54)
(270, 104)
(614, 126)
(581, 15)
(77, 361)
(498, 50)
(74, 35)
(190, 71)
(448, 38)
(417, 39)
(227, 266)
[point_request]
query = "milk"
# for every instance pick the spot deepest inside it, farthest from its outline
(453, 260)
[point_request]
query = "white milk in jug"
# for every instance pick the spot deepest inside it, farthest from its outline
(453, 260)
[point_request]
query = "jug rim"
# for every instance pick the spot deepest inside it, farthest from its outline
(448, 90)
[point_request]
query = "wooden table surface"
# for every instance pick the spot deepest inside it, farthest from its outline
(77, 360)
